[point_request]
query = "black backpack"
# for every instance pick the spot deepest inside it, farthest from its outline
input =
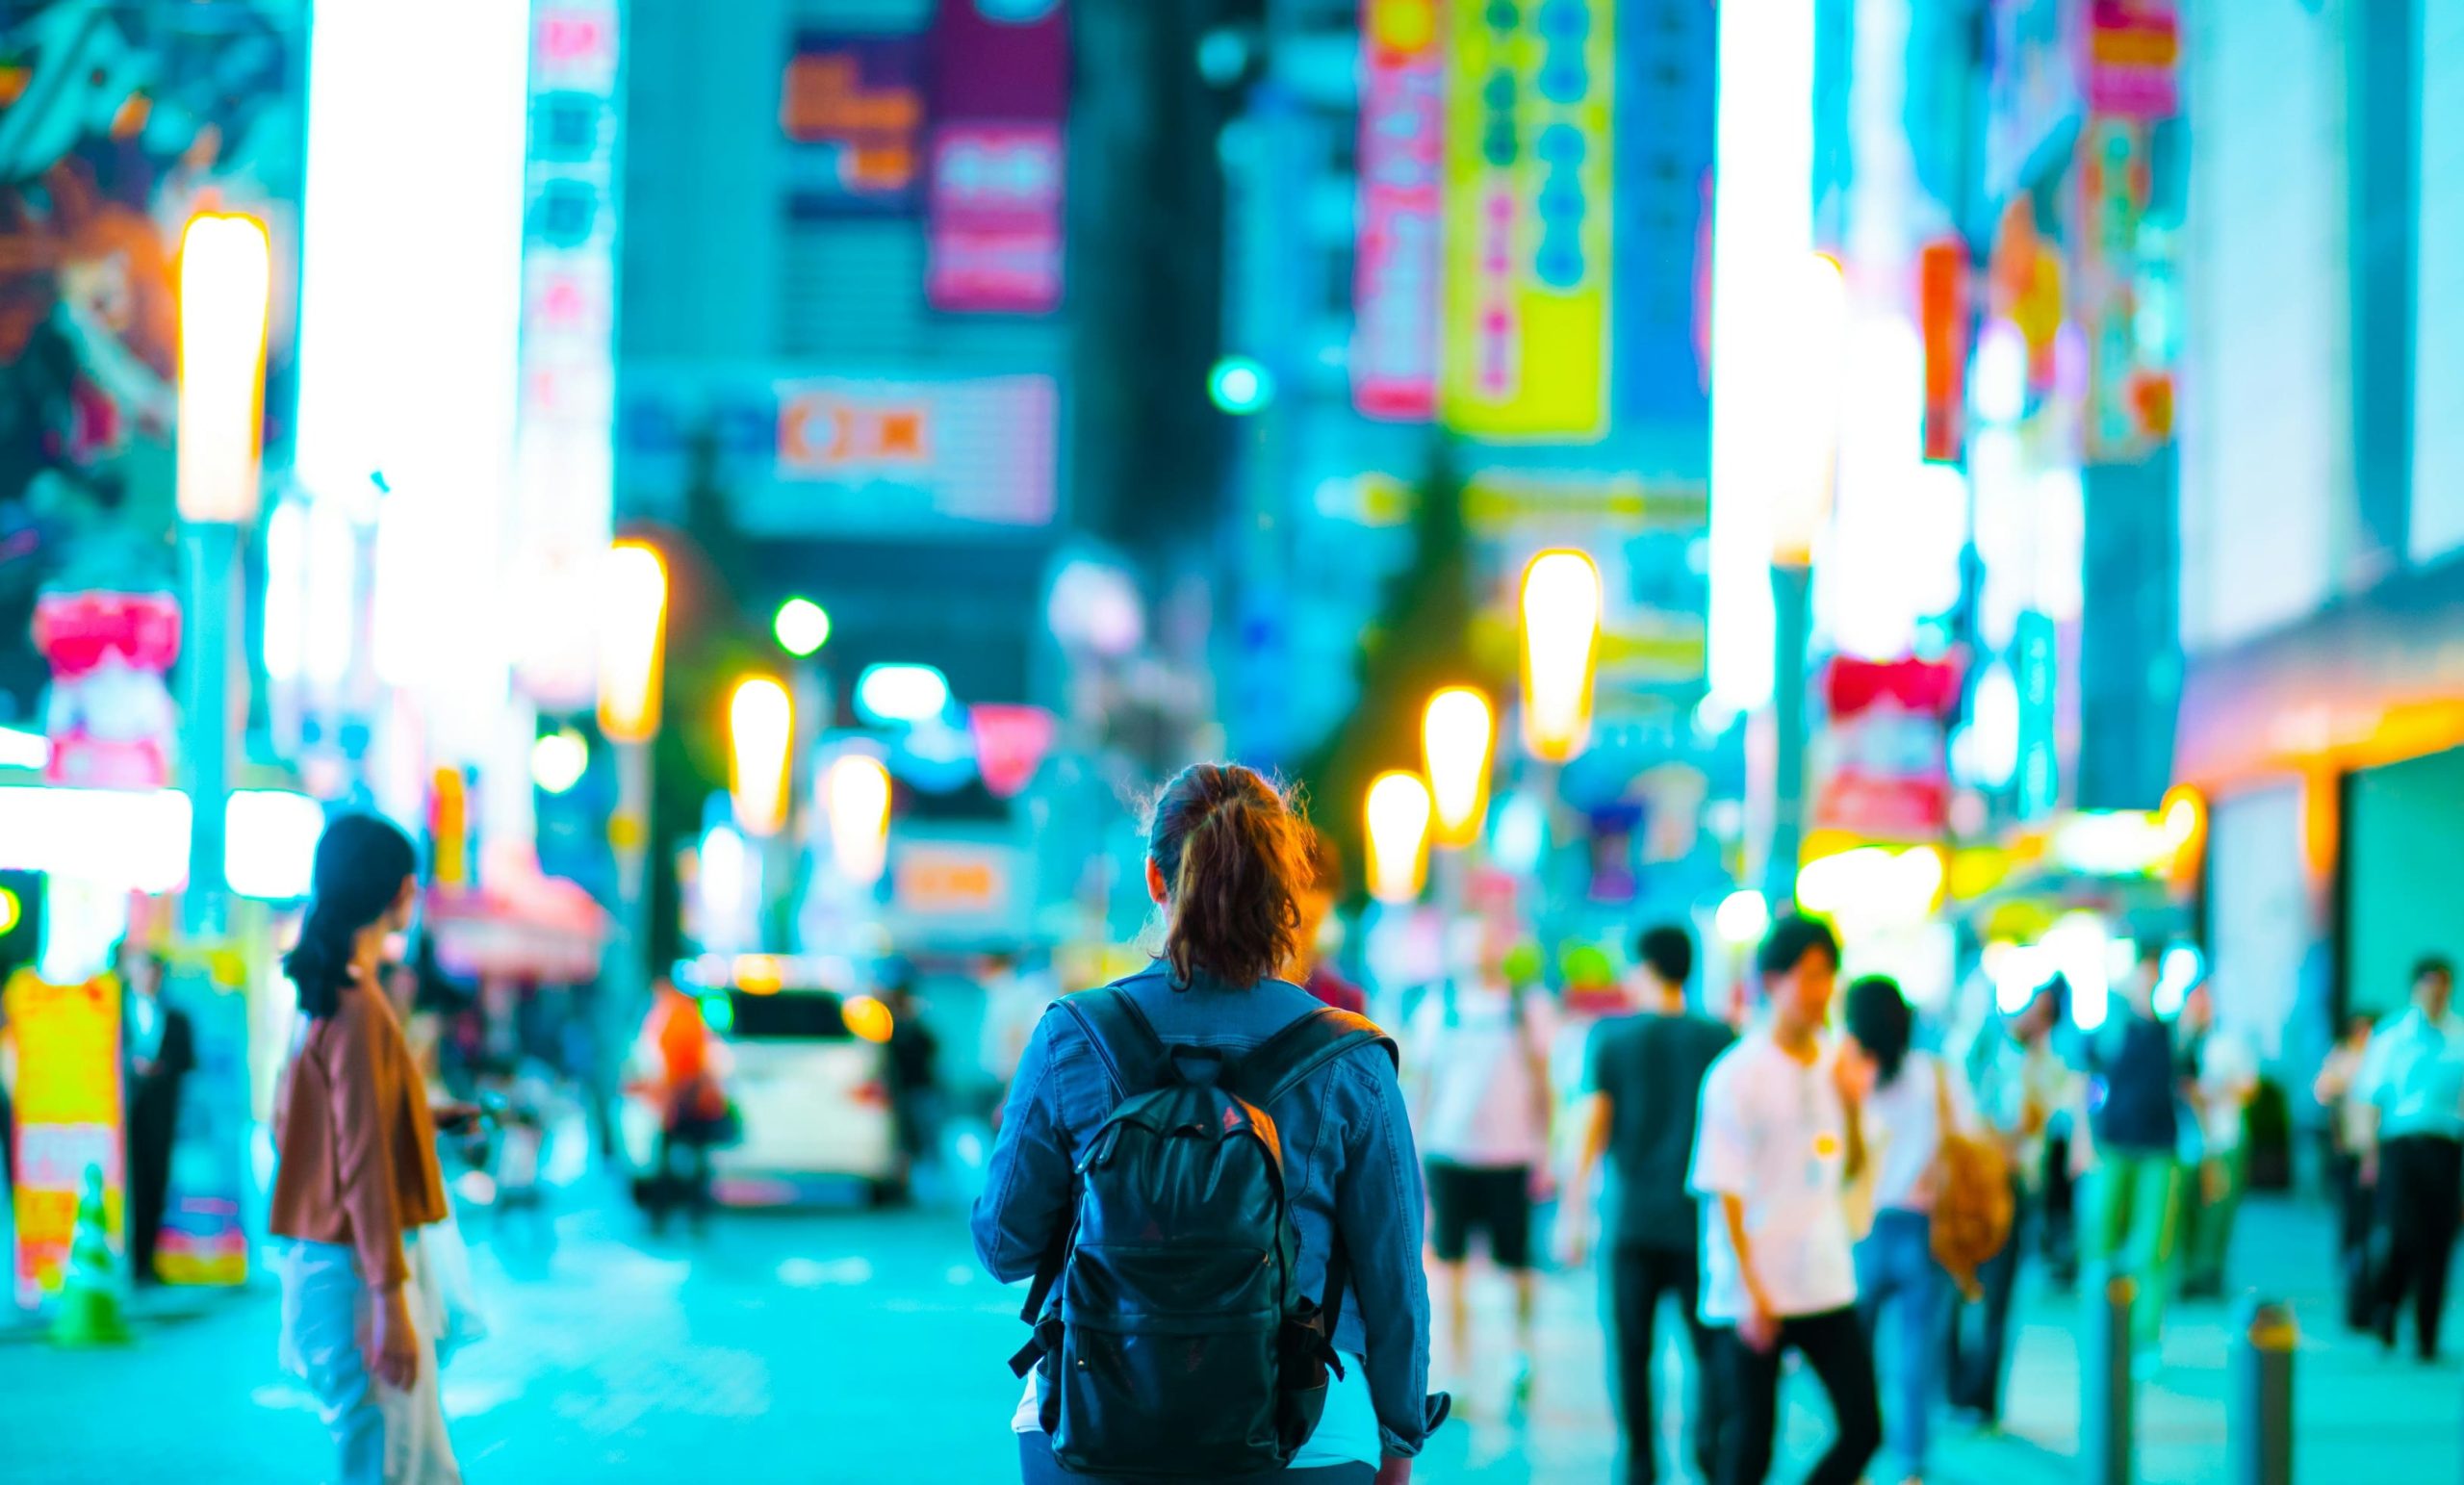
(1172, 1338)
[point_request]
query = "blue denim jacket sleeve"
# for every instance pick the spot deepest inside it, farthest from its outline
(1377, 1204)
(1026, 1191)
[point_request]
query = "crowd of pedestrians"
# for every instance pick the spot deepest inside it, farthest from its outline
(1823, 1175)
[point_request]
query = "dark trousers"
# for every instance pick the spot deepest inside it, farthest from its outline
(1638, 1277)
(1980, 1338)
(1834, 1345)
(153, 1124)
(1037, 1467)
(683, 1178)
(2421, 1180)
(2356, 1212)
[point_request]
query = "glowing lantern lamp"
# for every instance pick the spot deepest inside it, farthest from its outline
(856, 796)
(1456, 732)
(1398, 815)
(633, 627)
(1561, 604)
(762, 726)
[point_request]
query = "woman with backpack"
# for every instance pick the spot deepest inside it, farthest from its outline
(1916, 1109)
(1209, 1177)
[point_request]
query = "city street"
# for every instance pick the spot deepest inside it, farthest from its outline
(849, 1346)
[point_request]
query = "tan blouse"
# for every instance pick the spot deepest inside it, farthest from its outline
(357, 1145)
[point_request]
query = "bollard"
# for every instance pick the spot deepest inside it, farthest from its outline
(2105, 1385)
(2258, 1420)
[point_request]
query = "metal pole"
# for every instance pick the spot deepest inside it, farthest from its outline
(2259, 1410)
(625, 980)
(208, 553)
(1791, 612)
(2106, 1427)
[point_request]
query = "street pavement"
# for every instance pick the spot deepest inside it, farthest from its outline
(857, 1347)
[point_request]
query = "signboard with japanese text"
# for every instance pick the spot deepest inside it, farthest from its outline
(998, 166)
(852, 109)
(1667, 125)
(2134, 52)
(2116, 183)
(1398, 256)
(565, 408)
(65, 1040)
(203, 1241)
(1530, 198)
(852, 456)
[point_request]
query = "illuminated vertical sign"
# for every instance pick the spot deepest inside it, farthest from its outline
(564, 432)
(1398, 256)
(1528, 198)
(999, 74)
(1667, 134)
(2115, 184)
(1943, 315)
(2133, 48)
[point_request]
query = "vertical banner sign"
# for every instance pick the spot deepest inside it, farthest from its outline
(1398, 256)
(2133, 46)
(994, 237)
(203, 1241)
(1944, 319)
(565, 408)
(1667, 126)
(2115, 184)
(68, 1107)
(1528, 201)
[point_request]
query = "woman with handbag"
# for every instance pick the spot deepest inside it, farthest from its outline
(358, 1174)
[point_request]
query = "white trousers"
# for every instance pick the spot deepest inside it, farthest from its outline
(386, 1436)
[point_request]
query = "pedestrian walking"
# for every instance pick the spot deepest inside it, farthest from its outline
(684, 1069)
(2134, 1197)
(1143, 1110)
(1643, 1085)
(2351, 1120)
(915, 1098)
(2413, 1079)
(1318, 896)
(1779, 1139)
(358, 1174)
(162, 1051)
(2221, 1072)
(1916, 1105)
(1482, 1103)
(2019, 1086)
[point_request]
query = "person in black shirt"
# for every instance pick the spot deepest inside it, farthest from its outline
(1643, 1077)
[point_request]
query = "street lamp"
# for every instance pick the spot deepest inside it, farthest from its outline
(632, 647)
(855, 795)
(761, 728)
(1800, 509)
(1561, 604)
(1456, 733)
(1398, 811)
(226, 282)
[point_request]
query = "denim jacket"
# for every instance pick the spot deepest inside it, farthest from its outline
(1349, 1165)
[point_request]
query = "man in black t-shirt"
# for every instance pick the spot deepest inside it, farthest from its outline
(1642, 1078)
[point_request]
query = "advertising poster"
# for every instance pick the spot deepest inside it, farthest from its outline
(117, 122)
(202, 1239)
(65, 1039)
(853, 112)
(1000, 81)
(1529, 146)
(1398, 257)
(849, 455)
(1667, 122)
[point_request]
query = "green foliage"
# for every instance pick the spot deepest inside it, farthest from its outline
(1419, 641)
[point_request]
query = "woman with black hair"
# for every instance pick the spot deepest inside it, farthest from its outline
(1226, 861)
(358, 1172)
(1913, 1096)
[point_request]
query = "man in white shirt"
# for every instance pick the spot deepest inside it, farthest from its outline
(2413, 1079)
(1777, 1144)
(1479, 1080)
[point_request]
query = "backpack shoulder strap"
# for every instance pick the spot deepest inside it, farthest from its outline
(1281, 1063)
(1133, 1055)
